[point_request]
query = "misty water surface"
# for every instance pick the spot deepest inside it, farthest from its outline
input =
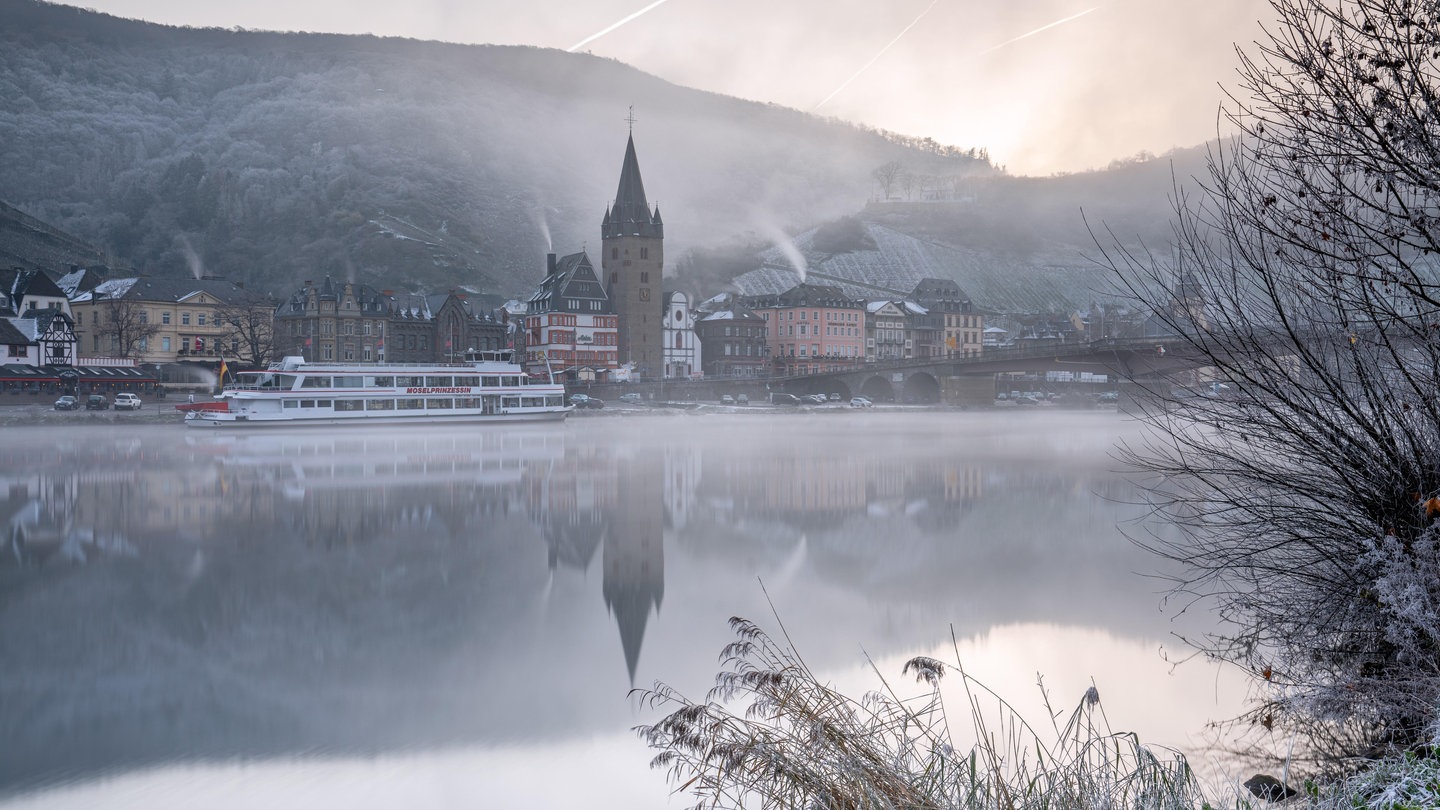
(437, 618)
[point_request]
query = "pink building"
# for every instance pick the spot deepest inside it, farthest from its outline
(812, 328)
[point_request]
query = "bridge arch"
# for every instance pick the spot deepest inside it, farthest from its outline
(921, 388)
(877, 389)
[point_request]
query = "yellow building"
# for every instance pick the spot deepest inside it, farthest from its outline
(168, 320)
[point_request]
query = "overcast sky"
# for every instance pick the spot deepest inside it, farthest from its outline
(1045, 85)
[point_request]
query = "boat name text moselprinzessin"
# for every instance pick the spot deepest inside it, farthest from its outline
(438, 390)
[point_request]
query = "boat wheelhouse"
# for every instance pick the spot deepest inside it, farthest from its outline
(489, 387)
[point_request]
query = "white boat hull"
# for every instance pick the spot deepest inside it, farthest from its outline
(240, 421)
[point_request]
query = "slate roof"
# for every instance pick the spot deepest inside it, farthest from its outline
(630, 214)
(367, 298)
(17, 283)
(573, 279)
(81, 279)
(11, 335)
(145, 288)
(1061, 283)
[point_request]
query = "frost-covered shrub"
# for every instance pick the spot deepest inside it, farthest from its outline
(793, 742)
(1300, 506)
(1403, 782)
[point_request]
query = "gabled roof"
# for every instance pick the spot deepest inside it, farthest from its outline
(18, 284)
(907, 307)
(81, 279)
(573, 279)
(12, 335)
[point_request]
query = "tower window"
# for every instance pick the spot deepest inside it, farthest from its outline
(644, 253)
(614, 253)
(644, 276)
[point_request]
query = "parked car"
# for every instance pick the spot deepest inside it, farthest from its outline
(67, 403)
(1026, 400)
(586, 401)
(743, 399)
(96, 402)
(632, 398)
(834, 397)
(784, 399)
(816, 399)
(726, 399)
(127, 402)
(860, 402)
(1109, 398)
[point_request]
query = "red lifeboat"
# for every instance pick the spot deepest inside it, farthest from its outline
(208, 405)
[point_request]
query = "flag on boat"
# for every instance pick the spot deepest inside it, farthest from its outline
(223, 370)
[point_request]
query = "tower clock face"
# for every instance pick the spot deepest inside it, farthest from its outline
(644, 293)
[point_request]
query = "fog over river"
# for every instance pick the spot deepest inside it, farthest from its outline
(436, 618)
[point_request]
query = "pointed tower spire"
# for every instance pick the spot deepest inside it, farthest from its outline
(631, 212)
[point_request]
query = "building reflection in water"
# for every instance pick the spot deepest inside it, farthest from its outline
(588, 500)
(411, 568)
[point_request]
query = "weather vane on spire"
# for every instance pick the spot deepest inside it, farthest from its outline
(631, 119)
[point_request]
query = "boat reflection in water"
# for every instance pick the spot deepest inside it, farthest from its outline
(176, 596)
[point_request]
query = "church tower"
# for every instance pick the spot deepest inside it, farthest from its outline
(632, 261)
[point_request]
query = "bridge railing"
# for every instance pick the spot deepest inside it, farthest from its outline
(993, 355)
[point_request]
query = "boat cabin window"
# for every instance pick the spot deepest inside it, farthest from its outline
(492, 382)
(408, 381)
(380, 405)
(439, 404)
(511, 381)
(349, 382)
(410, 404)
(349, 404)
(315, 382)
(468, 382)
(292, 403)
(383, 382)
(439, 382)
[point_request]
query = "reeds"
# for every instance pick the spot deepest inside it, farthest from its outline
(794, 742)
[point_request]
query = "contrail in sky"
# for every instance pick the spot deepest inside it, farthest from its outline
(582, 43)
(874, 58)
(1037, 30)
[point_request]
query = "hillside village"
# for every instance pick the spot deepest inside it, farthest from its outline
(844, 294)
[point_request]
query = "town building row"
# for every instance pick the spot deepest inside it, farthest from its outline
(613, 322)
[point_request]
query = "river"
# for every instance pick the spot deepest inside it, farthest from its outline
(433, 618)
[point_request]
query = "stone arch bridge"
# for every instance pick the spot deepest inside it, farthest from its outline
(970, 380)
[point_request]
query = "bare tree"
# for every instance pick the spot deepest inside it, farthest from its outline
(123, 326)
(886, 175)
(1300, 501)
(250, 323)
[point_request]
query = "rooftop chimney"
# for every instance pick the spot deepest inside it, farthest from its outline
(549, 265)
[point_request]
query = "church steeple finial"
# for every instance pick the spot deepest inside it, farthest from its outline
(631, 119)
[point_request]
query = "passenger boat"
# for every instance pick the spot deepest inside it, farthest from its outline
(488, 387)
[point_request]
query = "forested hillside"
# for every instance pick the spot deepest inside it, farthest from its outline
(273, 158)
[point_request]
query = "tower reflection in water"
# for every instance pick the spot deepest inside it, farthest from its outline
(169, 596)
